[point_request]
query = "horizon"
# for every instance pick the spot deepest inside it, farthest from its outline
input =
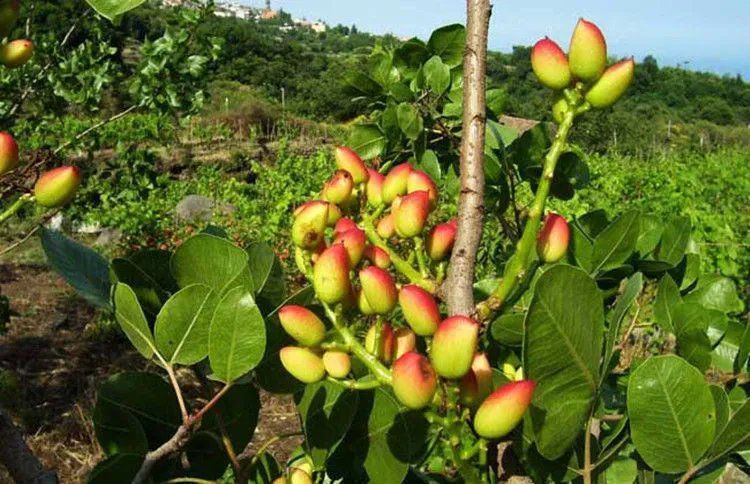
(688, 34)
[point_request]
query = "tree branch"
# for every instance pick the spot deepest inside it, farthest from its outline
(17, 458)
(459, 284)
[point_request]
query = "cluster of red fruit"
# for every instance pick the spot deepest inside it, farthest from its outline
(353, 272)
(56, 187)
(586, 63)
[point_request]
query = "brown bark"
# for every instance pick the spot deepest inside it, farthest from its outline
(458, 290)
(17, 458)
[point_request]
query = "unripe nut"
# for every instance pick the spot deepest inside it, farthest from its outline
(57, 187)
(303, 364)
(331, 275)
(503, 409)
(396, 182)
(453, 346)
(612, 85)
(8, 153)
(587, 55)
(308, 228)
(347, 159)
(440, 240)
(337, 363)
(552, 241)
(414, 380)
(420, 309)
(379, 289)
(16, 53)
(550, 64)
(387, 343)
(302, 324)
(410, 213)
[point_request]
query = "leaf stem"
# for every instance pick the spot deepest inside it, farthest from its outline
(356, 384)
(419, 252)
(587, 454)
(176, 386)
(518, 264)
(199, 415)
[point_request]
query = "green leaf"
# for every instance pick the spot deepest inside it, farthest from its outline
(207, 456)
(508, 329)
(409, 120)
(264, 469)
(81, 267)
(437, 75)
(429, 164)
(496, 99)
(562, 348)
(716, 292)
(367, 140)
(622, 470)
(633, 288)
(182, 325)
(674, 241)
(237, 413)
(448, 42)
(117, 469)
(147, 273)
(667, 299)
(112, 9)
(672, 413)
(132, 320)
(268, 276)
(409, 56)
(727, 356)
(721, 403)
(209, 260)
(736, 434)
(615, 244)
(326, 410)
(148, 398)
(117, 430)
(382, 441)
(237, 337)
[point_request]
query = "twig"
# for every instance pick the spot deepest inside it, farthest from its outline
(98, 125)
(587, 454)
(19, 242)
(458, 288)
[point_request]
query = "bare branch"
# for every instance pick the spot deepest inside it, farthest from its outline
(17, 458)
(458, 288)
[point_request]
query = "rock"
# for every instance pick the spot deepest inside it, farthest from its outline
(195, 208)
(108, 236)
(89, 228)
(56, 222)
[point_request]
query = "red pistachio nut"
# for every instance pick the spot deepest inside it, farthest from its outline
(299, 476)
(363, 305)
(57, 187)
(396, 182)
(587, 55)
(552, 241)
(377, 257)
(386, 227)
(303, 325)
(414, 380)
(303, 364)
(503, 409)
(374, 188)
(337, 363)
(440, 240)
(379, 289)
(421, 181)
(550, 64)
(387, 342)
(9, 11)
(331, 275)
(347, 159)
(406, 341)
(308, 228)
(16, 53)
(334, 214)
(339, 188)
(343, 225)
(410, 213)
(420, 309)
(354, 241)
(612, 85)
(8, 153)
(453, 346)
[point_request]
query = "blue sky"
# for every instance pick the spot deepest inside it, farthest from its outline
(711, 35)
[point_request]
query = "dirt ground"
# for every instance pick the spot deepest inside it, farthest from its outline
(54, 357)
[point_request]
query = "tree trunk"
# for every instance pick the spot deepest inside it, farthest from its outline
(458, 290)
(17, 458)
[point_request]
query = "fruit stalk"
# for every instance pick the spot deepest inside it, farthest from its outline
(380, 372)
(15, 207)
(519, 264)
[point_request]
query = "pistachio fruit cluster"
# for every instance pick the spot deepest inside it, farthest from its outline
(375, 262)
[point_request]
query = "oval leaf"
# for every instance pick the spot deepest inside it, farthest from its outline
(212, 261)
(182, 325)
(132, 320)
(237, 337)
(672, 413)
(562, 348)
